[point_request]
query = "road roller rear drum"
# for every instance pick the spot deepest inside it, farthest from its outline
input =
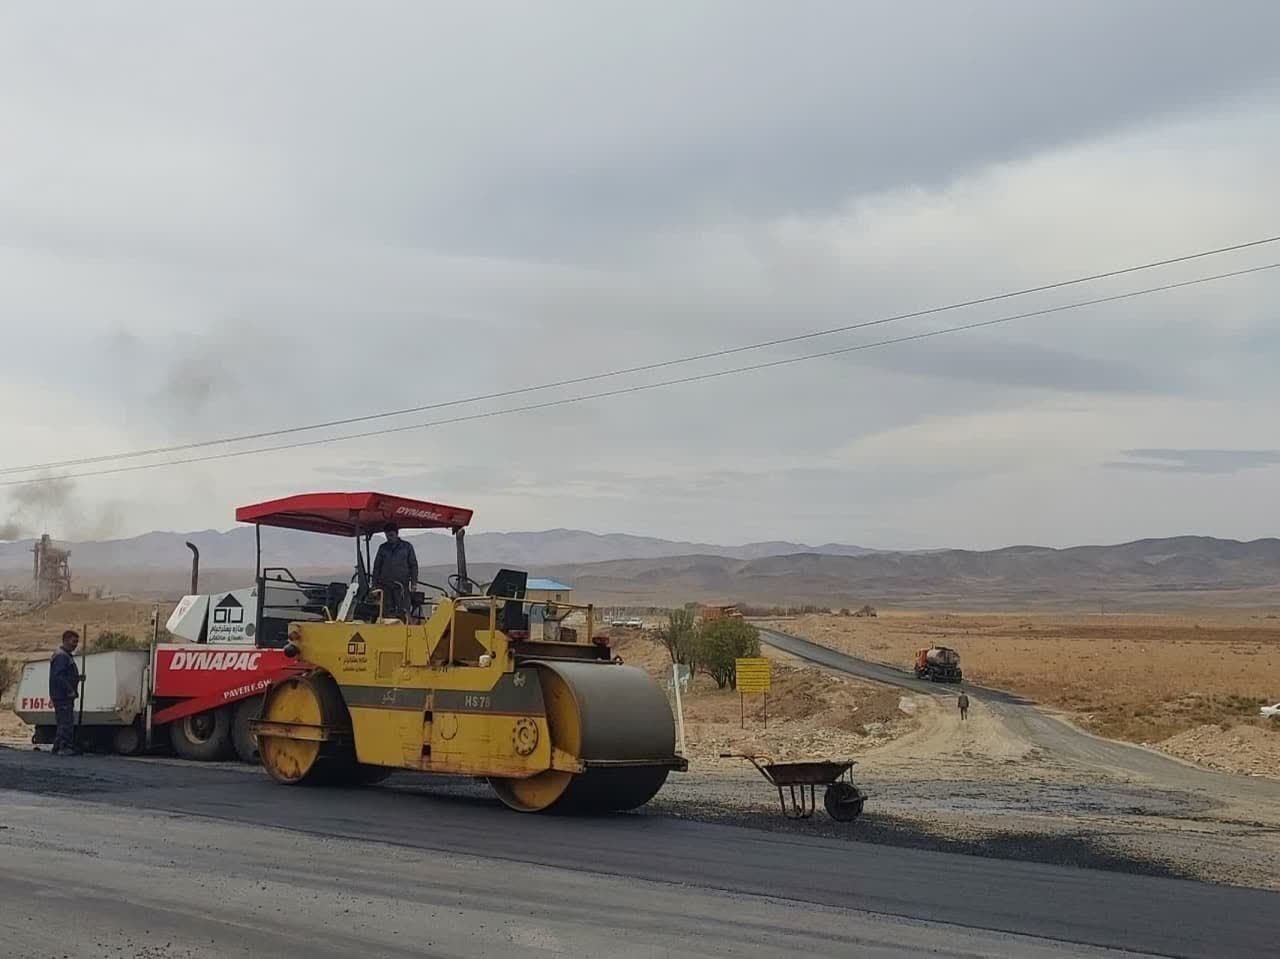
(615, 720)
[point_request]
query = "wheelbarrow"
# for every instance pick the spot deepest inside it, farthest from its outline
(842, 799)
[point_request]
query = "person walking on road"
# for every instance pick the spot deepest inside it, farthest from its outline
(395, 570)
(963, 703)
(64, 687)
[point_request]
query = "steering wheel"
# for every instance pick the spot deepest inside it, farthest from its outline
(475, 587)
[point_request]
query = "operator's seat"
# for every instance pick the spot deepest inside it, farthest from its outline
(335, 593)
(511, 585)
(472, 617)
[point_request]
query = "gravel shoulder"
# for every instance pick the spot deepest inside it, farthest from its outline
(1010, 782)
(1017, 781)
(1140, 678)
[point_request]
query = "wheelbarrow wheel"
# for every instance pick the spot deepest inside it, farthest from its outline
(844, 801)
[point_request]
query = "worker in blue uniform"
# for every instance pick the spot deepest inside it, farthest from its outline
(64, 687)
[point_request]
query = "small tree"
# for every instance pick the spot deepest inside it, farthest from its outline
(680, 637)
(720, 643)
(8, 673)
(112, 639)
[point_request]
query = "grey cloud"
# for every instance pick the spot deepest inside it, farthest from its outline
(53, 504)
(194, 380)
(491, 128)
(622, 159)
(419, 204)
(1196, 461)
(983, 360)
(42, 498)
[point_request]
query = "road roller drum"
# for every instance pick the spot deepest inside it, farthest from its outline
(469, 683)
(616, 721)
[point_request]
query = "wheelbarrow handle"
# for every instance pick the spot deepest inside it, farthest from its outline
(755, 761)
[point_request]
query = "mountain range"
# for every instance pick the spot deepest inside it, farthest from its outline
(622, 569)
(234, 549)
(1146, 574)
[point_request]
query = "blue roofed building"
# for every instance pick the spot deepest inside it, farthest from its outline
(540, 590)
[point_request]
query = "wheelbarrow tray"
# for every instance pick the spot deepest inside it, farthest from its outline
(842, 798)
(810, 772)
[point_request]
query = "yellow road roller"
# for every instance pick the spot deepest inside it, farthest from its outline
(463, 678)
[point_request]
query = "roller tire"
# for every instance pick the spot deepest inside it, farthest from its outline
(609, 713)
(243, 741)
(329, 763)
(843, 801)
(127, 740)
(204, 737)
(343, 772)
(611, 790)
(367, 775)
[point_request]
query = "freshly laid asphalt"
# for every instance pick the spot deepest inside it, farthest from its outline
(192, 860)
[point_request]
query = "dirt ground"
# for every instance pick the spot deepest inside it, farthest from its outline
(1143, 678)
(12, 729)
(1252, 750)
(979, 786)
(28, 634)
(812, 713)
(982, 787)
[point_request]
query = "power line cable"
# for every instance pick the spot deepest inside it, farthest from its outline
(646, 367)
(644, 387)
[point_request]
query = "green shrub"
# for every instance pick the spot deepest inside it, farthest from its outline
(110, 639)
(8, 674)
(722, 641)
(680, 637)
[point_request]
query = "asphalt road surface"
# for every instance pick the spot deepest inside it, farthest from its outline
(102, 856)
(1041, 728)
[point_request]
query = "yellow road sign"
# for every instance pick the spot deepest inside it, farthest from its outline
(753, 675)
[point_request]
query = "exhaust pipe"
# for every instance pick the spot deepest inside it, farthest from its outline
(195, 568)
(464, 581)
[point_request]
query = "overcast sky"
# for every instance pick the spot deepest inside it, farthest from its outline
(225, 217)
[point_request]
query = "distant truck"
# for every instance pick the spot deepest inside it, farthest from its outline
(720, 611)
(940, 664)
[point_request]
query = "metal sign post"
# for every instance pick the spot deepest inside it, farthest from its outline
(84, 680)
(753, 675)
(675, 684)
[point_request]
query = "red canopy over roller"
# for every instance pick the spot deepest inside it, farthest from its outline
(346, 514)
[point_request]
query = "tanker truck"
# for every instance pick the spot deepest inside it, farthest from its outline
(940, 664)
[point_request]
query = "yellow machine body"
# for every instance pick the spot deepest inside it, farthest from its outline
(545, 722)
